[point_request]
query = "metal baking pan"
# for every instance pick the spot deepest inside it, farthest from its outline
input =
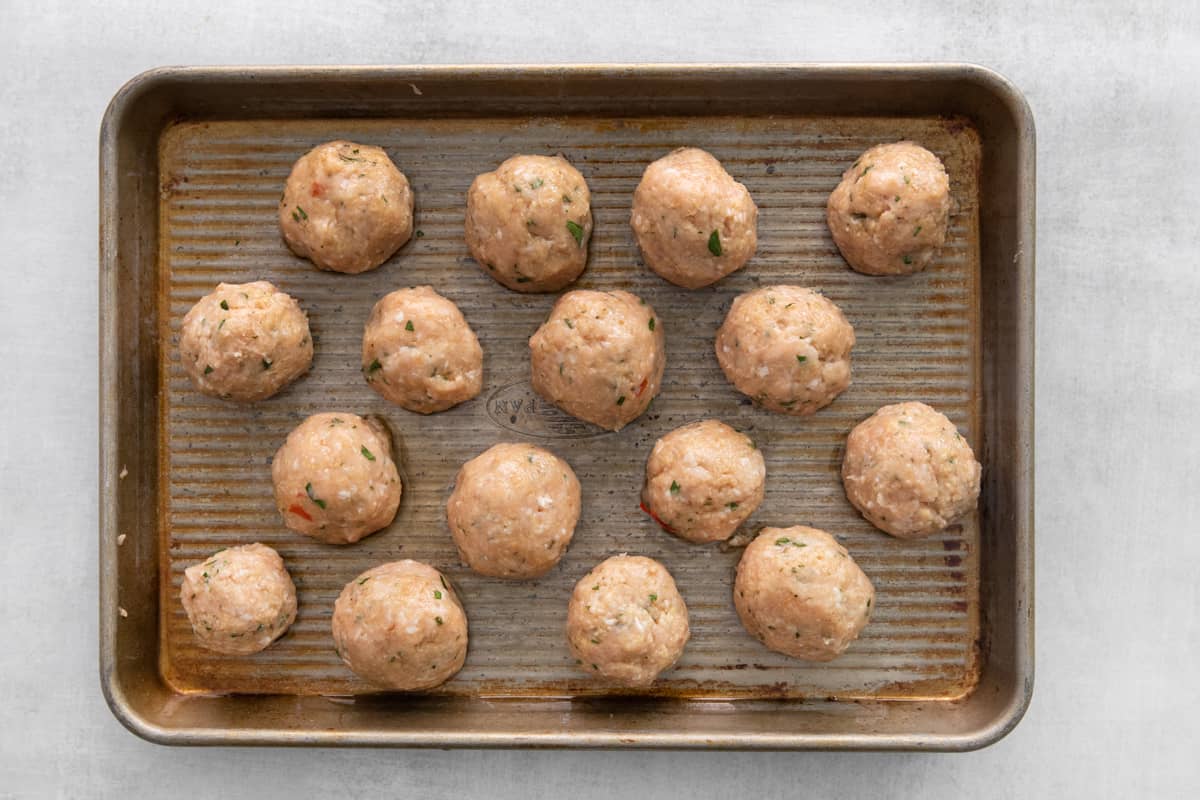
(192, 163)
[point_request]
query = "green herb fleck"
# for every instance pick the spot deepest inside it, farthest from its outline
(566, 199)
(906, 180)
(674, 487)
(714, 243)
(576, 231)
(443, 580)
(907, 258)
(569, 324)
(782, 540)
(221, 324)
(653, 597)
(367, 454)
(916, 230)
(408, 326)
(621, 400)
(361, 581)
(866, 170)
(208, 368)
(308, 490)
(652, 323)
(375, 365)
(596, 588)
(301, 211)
(801, 359)
(437, 595)
(537, 184)
(438, 620)
(295, 216)
(225, 304)
(266, 362)
(731, 506)
(420, 233)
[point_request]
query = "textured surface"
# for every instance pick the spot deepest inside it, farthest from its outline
(220, 187)
(1115, 708)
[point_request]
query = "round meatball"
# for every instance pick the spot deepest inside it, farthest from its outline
(419, 352)
(626, 621)
(335, 479)
(694, 223)
(800, 593)
(400, 626)
(346, 207)
(245, 341)
(599, 357)
(909, 471)
(529, 222)
(891, 210)
(513, 511)
(239, 600)
(787, 348)
(703, 480)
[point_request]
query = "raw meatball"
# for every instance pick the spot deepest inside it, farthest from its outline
(245, 341)
(626, 621)
(800, 593)
(694, 223)
(513, 511)
(400, 626)
(599, 357)
(346, 207)
(419, 352)
(529, 222)
(891, 210)
(909, 471)
(787, 348)
(335, 479)
(239, 600)
(703, 480)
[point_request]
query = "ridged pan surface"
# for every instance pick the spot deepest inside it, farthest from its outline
(917, 340)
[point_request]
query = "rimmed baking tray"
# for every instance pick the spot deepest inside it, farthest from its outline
(192, 163)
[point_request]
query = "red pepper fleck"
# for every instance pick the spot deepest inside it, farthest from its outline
(299, 512)
(654, 517)
(317, 189)
(638, 391)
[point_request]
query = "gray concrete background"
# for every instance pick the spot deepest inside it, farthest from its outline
(1113, 87)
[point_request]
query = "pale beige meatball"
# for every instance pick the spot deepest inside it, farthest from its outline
(909, 471)
(245, 342)
(703, 480)
(335, 479)
(787, 348)
(239, 600)
(400, 626)
(529, 222)
(890, 213)
(626, 621)
(346, 207)
(801, 594)
(513, 511)
(419, 352)
(694, 223)
(599, 357)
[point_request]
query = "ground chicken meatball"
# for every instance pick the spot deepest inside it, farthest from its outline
(400, 626)
(694, 223)
(335, 479)
(346, 207)
(909, 471)
(529, 222)
(626, 621)
(703, 480)
(239, 600)
(800, 593)
(787, 348)
(513, 511)
(599, 357)
(419, 352)
(891, 210)
(245, 342)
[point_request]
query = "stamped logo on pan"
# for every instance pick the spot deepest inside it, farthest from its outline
(517, 407)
